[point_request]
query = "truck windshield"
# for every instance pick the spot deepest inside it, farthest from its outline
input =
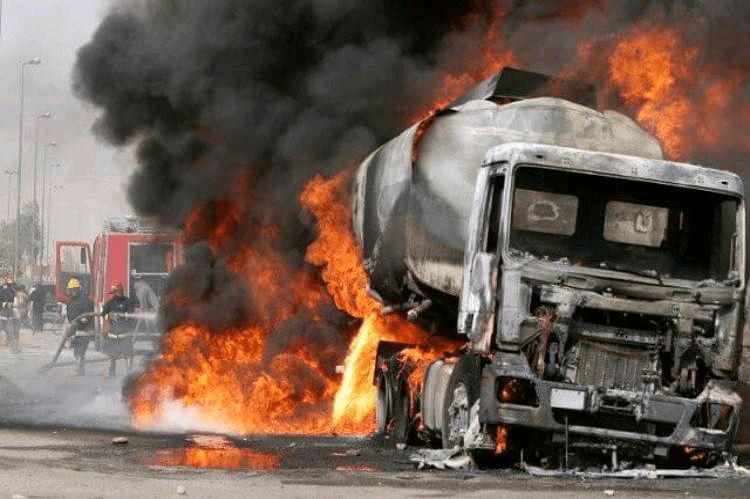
(628, 225)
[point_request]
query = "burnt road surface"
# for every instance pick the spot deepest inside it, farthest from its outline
(68, 436)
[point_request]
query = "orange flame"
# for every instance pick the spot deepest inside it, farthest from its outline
(649, 68)
(343, 271)
(218, 381)
(501, 439)
(672, 92)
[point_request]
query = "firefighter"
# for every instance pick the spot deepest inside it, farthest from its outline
(7, 296)
(79, 304)
(119, 340)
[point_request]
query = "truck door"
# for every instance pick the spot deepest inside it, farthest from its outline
(476, 316)
(72, 261)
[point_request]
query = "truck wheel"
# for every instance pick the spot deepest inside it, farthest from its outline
(402, 421)
(383, 413)
(461, 393)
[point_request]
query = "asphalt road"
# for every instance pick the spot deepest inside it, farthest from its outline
(68, 436)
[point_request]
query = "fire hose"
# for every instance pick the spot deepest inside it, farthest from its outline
(71, 329)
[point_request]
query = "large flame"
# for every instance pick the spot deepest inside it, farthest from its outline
(673, 93)
(219, 382)
(343, 271)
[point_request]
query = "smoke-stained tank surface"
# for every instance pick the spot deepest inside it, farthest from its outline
(413, 195)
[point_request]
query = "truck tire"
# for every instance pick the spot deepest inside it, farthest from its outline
(383, 411)
(461, 393)
(402, 421)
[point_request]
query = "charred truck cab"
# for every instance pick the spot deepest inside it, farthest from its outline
(599, 290)
(607, 295)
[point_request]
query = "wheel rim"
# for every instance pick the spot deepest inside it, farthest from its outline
(458, 415)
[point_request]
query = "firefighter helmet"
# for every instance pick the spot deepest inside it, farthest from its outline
(74, 284)
(116, 287)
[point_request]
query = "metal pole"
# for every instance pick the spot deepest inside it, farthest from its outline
(34, 207)
(43, 249)
(10, 184)
(49, 212)
(10, 173)
(16, 246)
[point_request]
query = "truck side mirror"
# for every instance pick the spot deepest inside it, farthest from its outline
(83, 256)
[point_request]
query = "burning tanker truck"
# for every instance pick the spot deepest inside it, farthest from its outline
(598, 289)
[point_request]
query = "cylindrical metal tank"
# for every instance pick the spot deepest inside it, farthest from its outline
(413, 195)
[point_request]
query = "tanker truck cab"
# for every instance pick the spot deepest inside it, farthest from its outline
(602, 297)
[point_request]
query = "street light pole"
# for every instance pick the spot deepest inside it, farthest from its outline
(10, 185)
(42, 116)
(16, 248)
(49, 210)
(45, 198)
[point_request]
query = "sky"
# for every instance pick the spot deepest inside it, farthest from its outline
(90, 181)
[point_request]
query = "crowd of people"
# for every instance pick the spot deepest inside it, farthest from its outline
(19, 308)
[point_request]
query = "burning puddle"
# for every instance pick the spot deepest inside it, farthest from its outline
(213, 452)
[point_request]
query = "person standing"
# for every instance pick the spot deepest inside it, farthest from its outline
(7, 295)
(119, 339)
(82, 332)
(37, 297)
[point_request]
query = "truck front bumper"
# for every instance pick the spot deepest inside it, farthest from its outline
(589, 413)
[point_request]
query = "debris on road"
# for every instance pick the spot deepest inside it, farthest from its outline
(347, 453)
(120, 440)
(454, 459)
(726, 470)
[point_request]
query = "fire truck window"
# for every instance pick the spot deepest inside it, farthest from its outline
(73, 266)
(73, 259)
(149, 258)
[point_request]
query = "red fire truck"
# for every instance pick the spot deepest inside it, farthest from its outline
(128, 250)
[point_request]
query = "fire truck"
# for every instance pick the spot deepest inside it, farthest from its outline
(128, 250)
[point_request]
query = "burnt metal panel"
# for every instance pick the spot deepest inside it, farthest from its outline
(451, 150)
(514, 83)
(412, 197)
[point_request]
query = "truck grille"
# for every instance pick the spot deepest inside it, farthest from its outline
(610, 366)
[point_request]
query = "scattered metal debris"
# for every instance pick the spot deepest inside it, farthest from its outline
(454, 459)
(726, 470)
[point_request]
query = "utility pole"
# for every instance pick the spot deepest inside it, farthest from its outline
(16, 247)
(43, 116)
(45, 198)
(9, 173)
